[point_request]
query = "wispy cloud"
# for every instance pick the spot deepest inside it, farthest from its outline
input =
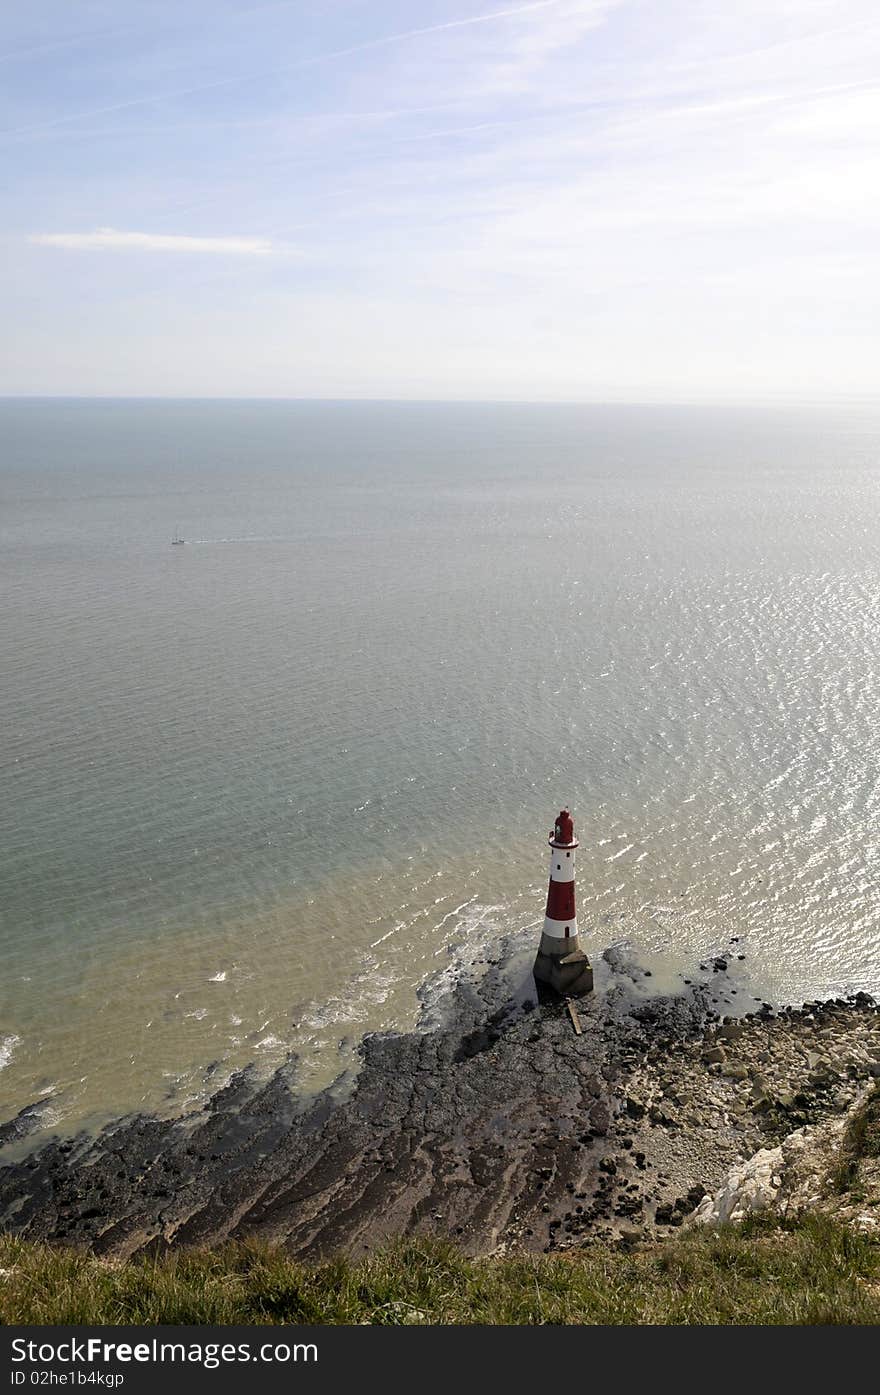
(239, 79)
(114, 240)
(555, 197)
(33, 50)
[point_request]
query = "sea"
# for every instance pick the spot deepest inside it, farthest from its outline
(283, 784)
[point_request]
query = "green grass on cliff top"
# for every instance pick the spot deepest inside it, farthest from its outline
(815, 1272)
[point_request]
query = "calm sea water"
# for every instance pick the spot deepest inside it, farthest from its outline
(259, 788)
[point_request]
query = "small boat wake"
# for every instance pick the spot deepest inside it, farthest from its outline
(212, 542)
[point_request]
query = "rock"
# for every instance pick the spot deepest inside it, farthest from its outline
(735, 1071)
(730, 1031)
(28, 1120)
(459, 1114)
(748, 1189)
(629, 1237)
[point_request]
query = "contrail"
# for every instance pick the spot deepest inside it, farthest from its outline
(58, 43)
(287, 67)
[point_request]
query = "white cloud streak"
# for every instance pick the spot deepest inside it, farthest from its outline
(382, 42)
(617, 198)
(113, 240)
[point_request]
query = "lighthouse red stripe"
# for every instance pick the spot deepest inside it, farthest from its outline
(560, 901)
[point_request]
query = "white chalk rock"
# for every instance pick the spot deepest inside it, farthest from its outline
(749, 1188)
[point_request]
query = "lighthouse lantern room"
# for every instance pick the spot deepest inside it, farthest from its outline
(560, 962)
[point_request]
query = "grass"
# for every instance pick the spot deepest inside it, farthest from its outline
(861, 1140)
(814, 1271)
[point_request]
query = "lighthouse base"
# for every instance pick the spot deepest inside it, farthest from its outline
(569, 974)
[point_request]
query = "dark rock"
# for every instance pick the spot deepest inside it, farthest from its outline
(446, 1122)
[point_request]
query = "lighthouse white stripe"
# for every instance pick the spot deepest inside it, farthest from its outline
(561, 867)
(557, 928)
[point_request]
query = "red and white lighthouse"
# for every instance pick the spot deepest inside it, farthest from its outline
(561, 963)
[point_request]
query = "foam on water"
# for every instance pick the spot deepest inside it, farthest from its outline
(7, 1046)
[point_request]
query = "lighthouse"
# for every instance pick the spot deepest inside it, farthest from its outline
(561, 963)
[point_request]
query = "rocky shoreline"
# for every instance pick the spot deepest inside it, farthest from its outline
(500, 1127)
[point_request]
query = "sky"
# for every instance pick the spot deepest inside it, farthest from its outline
(590, 200)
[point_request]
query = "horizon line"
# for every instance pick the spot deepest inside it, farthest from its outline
(770, 400)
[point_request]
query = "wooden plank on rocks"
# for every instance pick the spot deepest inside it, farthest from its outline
(576, 1021)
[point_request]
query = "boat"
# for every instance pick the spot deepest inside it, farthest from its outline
(177, 540)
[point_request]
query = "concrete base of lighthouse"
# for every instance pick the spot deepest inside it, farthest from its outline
(563, 966)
